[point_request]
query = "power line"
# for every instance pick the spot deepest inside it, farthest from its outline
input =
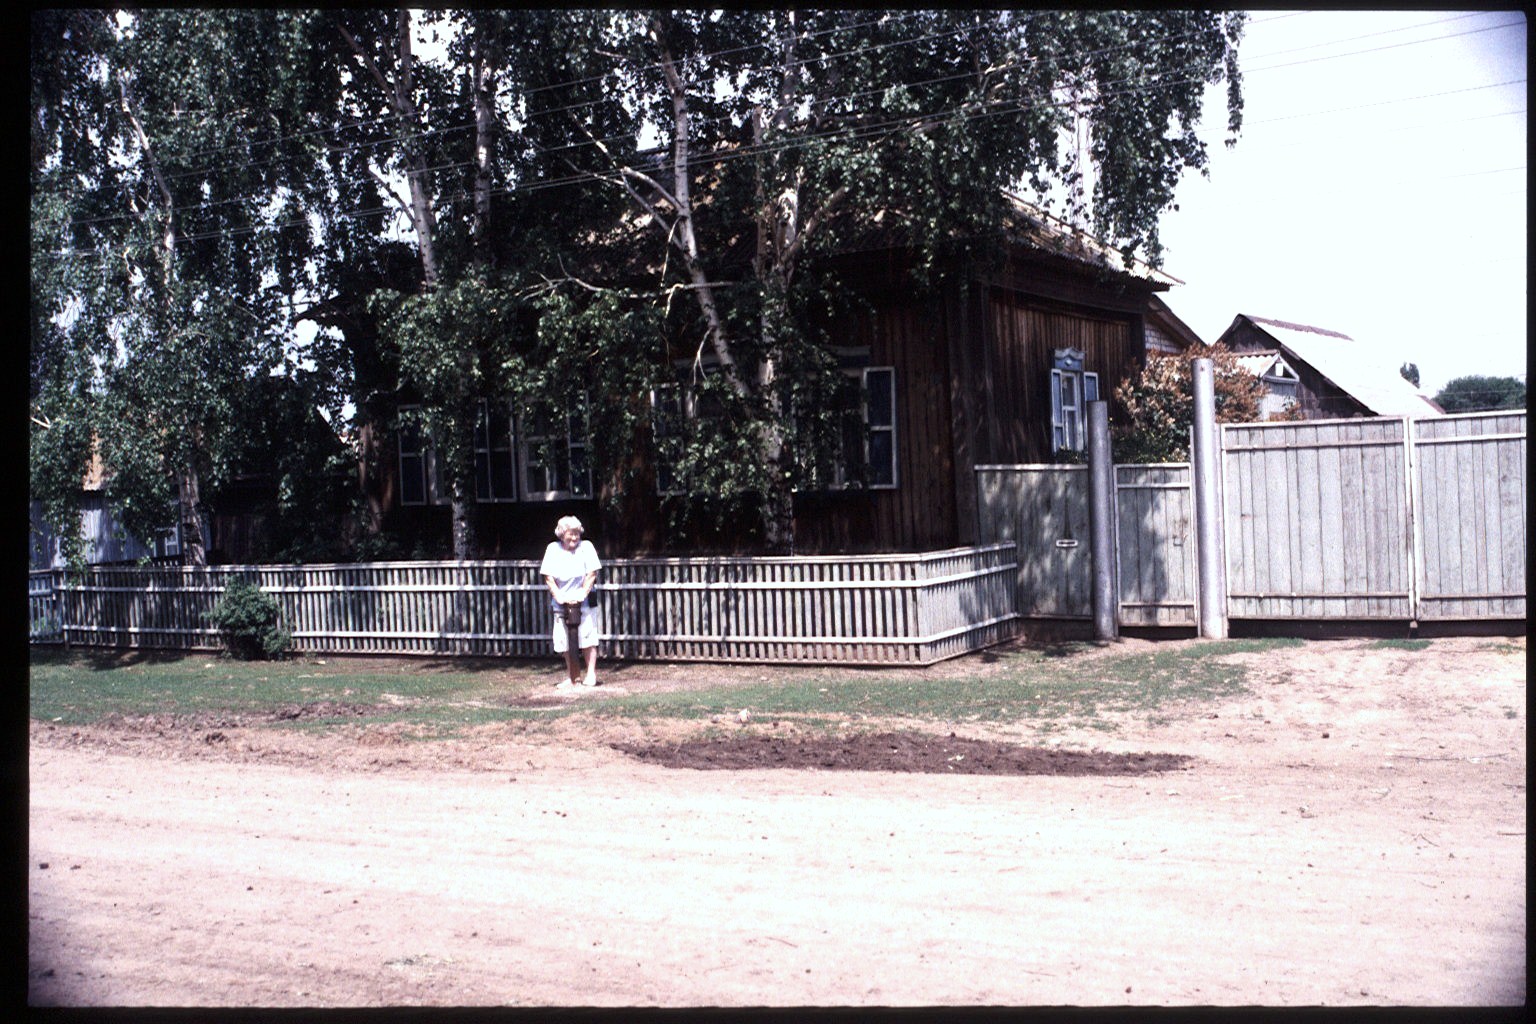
(873, 131)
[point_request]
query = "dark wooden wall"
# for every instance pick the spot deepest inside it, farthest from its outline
(1021, 334)
(919, 513)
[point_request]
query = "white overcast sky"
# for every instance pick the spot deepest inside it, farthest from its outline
(1378, 189)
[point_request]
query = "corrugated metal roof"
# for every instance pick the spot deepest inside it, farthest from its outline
(1374, 384)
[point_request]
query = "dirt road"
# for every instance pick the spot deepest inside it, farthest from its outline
(1350, 832)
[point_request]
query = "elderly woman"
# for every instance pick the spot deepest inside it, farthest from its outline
(570, 569)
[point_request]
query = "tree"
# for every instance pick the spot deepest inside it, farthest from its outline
(786, 135)
(163, 263)
(686, 174)
(1410, 373)
(1480, 394)
(1159, 403)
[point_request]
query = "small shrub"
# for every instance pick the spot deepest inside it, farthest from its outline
(247, 621)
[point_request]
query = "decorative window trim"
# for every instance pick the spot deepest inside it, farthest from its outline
(1072, 388)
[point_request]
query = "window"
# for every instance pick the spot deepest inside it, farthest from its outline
(493, 454)
(879, 406)
(866, 447)
(668, 413)
(678, 410)
(548, 463)
(417, 459)
(552, 456)
(1072, 388)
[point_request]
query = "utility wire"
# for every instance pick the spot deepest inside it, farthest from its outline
(869, 132)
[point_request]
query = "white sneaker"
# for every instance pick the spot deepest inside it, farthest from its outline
(589, 681)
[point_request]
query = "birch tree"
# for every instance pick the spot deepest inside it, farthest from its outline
(793, 133)
(161, 260)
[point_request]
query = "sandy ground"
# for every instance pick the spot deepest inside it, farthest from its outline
(1350, 832)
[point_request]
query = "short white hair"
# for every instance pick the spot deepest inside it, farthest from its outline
(567, 524)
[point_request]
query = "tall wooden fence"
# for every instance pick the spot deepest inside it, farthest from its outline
(1382, 518)
(1386, 518)
(879, 609)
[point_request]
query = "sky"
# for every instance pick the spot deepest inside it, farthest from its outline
(1377, 189)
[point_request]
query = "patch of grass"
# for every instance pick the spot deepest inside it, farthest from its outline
(1033, 685)
(76, 688)
(1389, 644)
(1067, 683)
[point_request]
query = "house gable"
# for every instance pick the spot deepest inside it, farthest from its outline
(1337, 378)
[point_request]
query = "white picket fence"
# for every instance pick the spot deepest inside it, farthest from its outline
(873, 609)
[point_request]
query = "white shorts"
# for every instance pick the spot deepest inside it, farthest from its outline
(586, 633)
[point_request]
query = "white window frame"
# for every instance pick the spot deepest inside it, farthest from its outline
(868, 430)
(668, 401)
(488, 448)
(1072, 388)
(517, 448)
(576, 448)
(888, 428)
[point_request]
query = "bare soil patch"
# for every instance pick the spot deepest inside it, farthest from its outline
(897, 752)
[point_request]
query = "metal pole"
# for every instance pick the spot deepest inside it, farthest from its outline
(1101, 524)
(1205, 463)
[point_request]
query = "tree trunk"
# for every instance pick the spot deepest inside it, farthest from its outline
(191, 510)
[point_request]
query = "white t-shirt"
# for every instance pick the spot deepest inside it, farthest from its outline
(568, 569)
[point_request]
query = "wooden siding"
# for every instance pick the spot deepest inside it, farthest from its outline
(1020, 338)
(886, 609)
(919, 514)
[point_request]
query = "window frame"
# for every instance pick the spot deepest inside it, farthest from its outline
(577, 446)
(1069, 420)
(428, 476)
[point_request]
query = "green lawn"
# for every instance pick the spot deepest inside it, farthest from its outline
(1066, 683)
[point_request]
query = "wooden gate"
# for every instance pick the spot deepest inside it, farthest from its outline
(1317, 523)
(1044, 510)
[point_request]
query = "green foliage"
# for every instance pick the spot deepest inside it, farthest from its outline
(248, 622)
(1410, 373)
(1482, 394)
(1159, 403)
(196, 173)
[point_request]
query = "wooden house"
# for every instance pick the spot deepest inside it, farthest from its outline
(991, 365)
(1325, 373)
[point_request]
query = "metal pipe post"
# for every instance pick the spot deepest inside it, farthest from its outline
(1205, 463)
(1101, 524)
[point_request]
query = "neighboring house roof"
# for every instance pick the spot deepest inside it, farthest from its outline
(1165, 331)
(1341, 359)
